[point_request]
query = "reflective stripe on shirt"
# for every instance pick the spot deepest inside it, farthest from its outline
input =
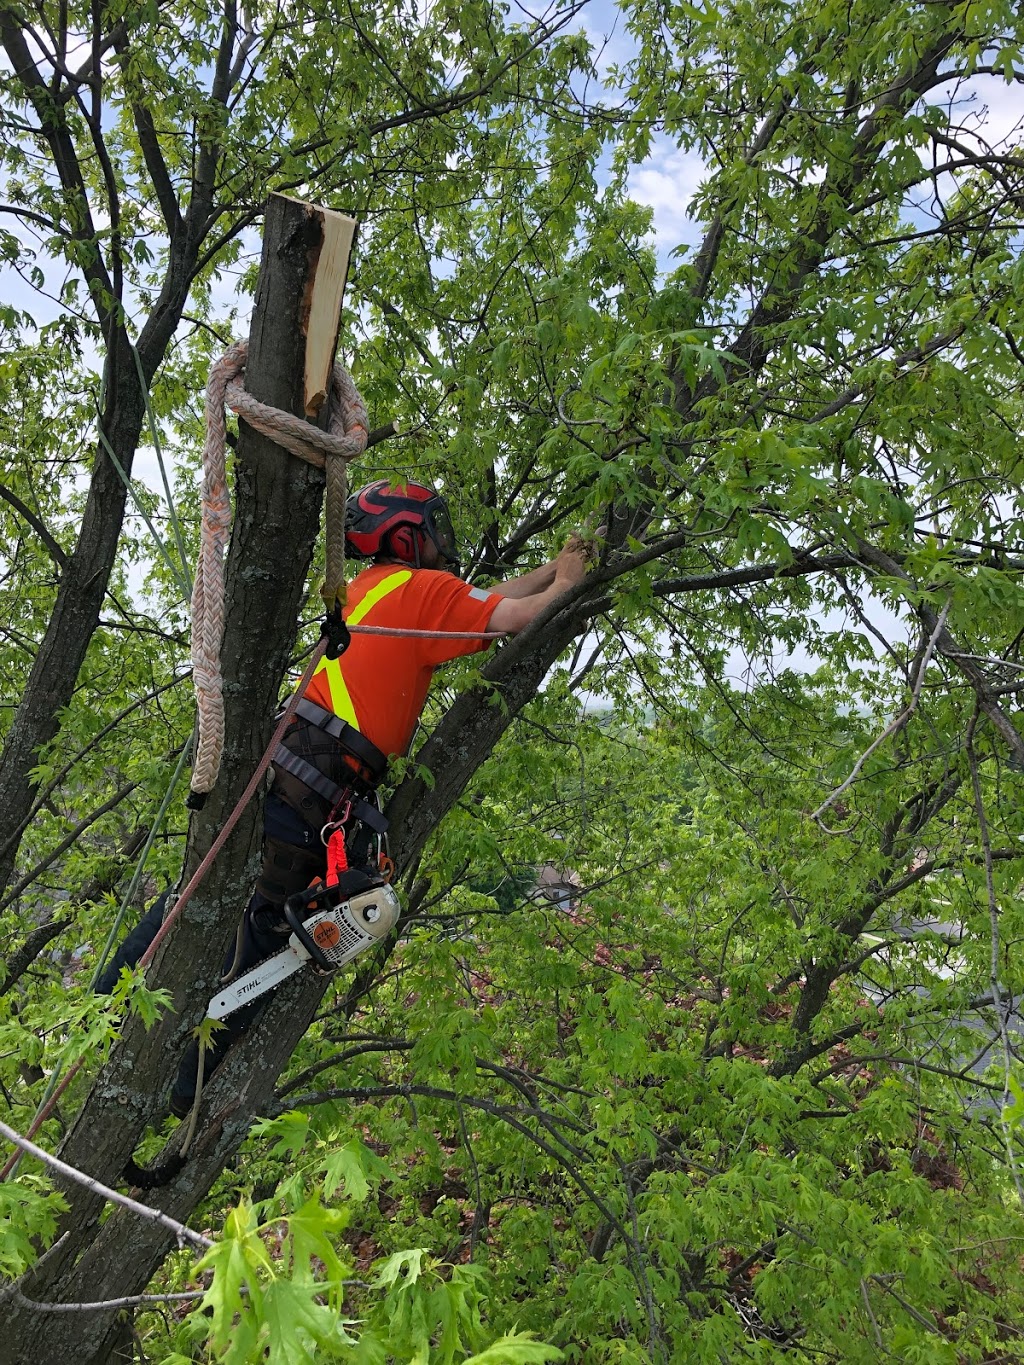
(341, 702)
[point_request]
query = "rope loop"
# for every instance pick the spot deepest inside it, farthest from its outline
(344, 440)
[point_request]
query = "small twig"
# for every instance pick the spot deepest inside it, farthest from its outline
(44, 1111)
(655, 1339)
(181, 1232)
(919, 1318)
(874, 1321)
(995, 660)
(480, 1205)
(577, 421)
(135, 1301)
(894, 726)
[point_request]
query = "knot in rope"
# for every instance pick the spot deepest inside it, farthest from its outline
(343, 440)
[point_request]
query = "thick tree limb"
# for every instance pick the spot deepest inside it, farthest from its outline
(750, 348)
(56, 552)
(156, 165)
(54, 130)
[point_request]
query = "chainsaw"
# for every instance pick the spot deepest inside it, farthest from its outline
(328, 929)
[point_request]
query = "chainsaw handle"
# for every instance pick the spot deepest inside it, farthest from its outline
(304, 904)
(298, 907)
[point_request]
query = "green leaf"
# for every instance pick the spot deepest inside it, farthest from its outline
(347, 1164)
(518, 1349)
(298, 1328)
(290, 1130)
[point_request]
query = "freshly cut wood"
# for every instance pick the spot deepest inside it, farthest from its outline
(326, 291)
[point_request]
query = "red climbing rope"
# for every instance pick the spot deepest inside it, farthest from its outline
(409, 632)
(243, 801)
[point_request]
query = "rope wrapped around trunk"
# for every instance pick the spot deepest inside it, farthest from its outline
(344, 440)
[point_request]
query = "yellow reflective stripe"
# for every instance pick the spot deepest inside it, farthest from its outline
(341, 702)
(386, 585)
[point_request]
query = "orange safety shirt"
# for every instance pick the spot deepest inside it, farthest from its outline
(380, 683)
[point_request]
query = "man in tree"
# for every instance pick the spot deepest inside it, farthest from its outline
(359, 711)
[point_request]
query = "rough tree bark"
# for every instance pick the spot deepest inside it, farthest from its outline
(83, 585)
(84, 577)
(277, 516)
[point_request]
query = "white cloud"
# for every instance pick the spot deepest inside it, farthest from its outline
(985, 111)
(667, 181)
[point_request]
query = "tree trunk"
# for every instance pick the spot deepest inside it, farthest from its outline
(75, 615)
(277, 507)
(84, 579)
(277, 515)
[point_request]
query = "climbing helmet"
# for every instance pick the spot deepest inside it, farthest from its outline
(382, 518)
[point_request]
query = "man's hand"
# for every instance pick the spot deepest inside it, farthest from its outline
(567, 569)
(587, 545)
(572, 562)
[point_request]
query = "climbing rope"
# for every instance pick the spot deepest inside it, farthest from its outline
(47, 1106)
(344, 439)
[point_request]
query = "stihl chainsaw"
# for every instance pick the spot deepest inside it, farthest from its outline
(330, 926)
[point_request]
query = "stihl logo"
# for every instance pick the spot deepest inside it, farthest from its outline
(326, 934)
(249, 986)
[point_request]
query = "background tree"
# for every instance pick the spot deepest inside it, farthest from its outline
(815, 411)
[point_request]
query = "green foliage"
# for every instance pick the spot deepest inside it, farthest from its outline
(259, 1310)
(287, 1305)
(28, 1217)
(664, 1067)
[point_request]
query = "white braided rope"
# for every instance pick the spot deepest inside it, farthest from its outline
(344, 439)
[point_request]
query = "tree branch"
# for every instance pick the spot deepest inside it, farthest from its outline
(149, 142)
(948, 648)
(181, 1232)
(56, 553)
(26, 881)
(54, 129)
(132, 1301)
(895, 726)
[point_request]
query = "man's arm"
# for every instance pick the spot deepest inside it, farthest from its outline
(526, 584)
(514, 612)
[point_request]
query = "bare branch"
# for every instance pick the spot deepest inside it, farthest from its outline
(1003, 1006)
(181, 1232)
(948, 648)
(133, 1301)
(898, 362)
(895, 726)
(56, 553)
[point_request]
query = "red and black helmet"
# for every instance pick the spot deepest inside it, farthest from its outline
(382, 518)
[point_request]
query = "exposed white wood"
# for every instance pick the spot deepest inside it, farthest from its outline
(328, 287)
